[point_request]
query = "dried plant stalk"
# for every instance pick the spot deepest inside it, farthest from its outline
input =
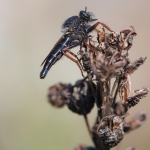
(103, 60)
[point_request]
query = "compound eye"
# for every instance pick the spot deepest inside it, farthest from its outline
(84, 15)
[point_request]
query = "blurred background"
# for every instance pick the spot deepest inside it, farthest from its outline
(28, 31)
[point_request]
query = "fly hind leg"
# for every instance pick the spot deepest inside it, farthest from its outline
(72, 59)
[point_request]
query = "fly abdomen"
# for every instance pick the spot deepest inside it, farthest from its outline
(54, 55)
(45, 69)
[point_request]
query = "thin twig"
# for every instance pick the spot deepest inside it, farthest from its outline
(88, 126)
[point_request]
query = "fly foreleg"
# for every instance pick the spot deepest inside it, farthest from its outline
(96, 24)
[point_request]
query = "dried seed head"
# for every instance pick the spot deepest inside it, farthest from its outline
(117, 121)
(125, 92)
(55, 96)
(108, 65)
(135, 122)
(125, 89)
(137, 96)
(113, 38)
(110, 130)
(80, 100)
(85, 57)
(107, 60)
(131, 67)
(126, 39)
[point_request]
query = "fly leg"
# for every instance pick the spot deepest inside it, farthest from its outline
(78, 64)
(96, 24)
(74, 55)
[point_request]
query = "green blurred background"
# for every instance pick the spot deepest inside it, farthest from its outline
(28, 31)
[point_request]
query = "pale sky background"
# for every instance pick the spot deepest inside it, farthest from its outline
(28, 31)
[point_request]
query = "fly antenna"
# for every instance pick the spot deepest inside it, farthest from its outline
(85, 8)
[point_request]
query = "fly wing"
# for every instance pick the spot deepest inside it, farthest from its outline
(69, 21)
(44, 60)
(70, 26)
(54, 45)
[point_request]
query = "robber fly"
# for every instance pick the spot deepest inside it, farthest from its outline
(76, 30)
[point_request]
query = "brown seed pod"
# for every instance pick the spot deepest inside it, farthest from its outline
(137, 96)
(55, 96)
(125, 89)
(113, 38)
(126, 38)
(79, 98)
(85, 57)
(108, 65)
(110, 130)
(131, 67)
(136, 121)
